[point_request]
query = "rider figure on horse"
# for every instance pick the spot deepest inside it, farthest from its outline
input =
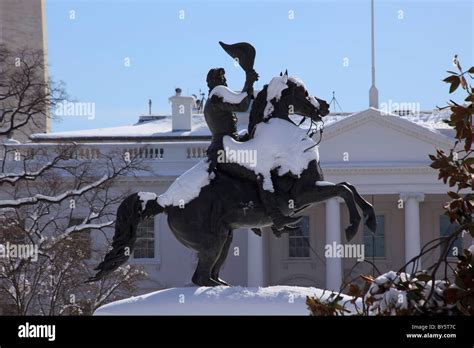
(222, 121)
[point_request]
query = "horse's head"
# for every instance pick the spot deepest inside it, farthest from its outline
(298, 101)
(286, 95)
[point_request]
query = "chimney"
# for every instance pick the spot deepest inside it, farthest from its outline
(181, 111)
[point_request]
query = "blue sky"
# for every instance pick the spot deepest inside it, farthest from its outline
(415, 42)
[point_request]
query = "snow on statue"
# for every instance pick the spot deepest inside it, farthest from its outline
(229, 148)
(224, 192)
(273, 155)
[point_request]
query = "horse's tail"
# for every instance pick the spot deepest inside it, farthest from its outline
(134, 209)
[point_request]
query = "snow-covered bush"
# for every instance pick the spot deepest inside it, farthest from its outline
(400, 293)
(403, 294)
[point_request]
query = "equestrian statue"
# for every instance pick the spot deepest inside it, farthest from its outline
(227, 191)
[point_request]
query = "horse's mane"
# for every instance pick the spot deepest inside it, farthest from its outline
(256, 112)
(258, 107)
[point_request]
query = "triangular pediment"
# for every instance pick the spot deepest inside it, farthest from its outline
(372, 136)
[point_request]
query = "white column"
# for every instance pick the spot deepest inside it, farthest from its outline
(255, 260)
(412, 225)
(333, 234)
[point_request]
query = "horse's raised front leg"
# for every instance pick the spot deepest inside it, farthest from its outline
(367, 208)
(327, 191)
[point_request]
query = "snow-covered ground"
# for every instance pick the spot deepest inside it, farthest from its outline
(221, 300)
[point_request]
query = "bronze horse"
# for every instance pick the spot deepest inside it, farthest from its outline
(206, 223)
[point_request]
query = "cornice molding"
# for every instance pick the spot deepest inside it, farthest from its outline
(390, 121)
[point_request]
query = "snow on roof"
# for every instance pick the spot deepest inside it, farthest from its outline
(156, 128)
(162, 127)
(432, 120)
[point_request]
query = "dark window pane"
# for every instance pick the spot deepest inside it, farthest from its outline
(138, 254)
(380, 246)
(298, 252)
(304, 226)
(369, 248)
(374, 244)
(305, 252)
(145, 243)
(298, 240)
(151, 253)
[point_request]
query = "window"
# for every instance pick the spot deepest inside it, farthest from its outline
(82, 238)
(446, 228)
(374, 244)
(145, 244)
(299, 240)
